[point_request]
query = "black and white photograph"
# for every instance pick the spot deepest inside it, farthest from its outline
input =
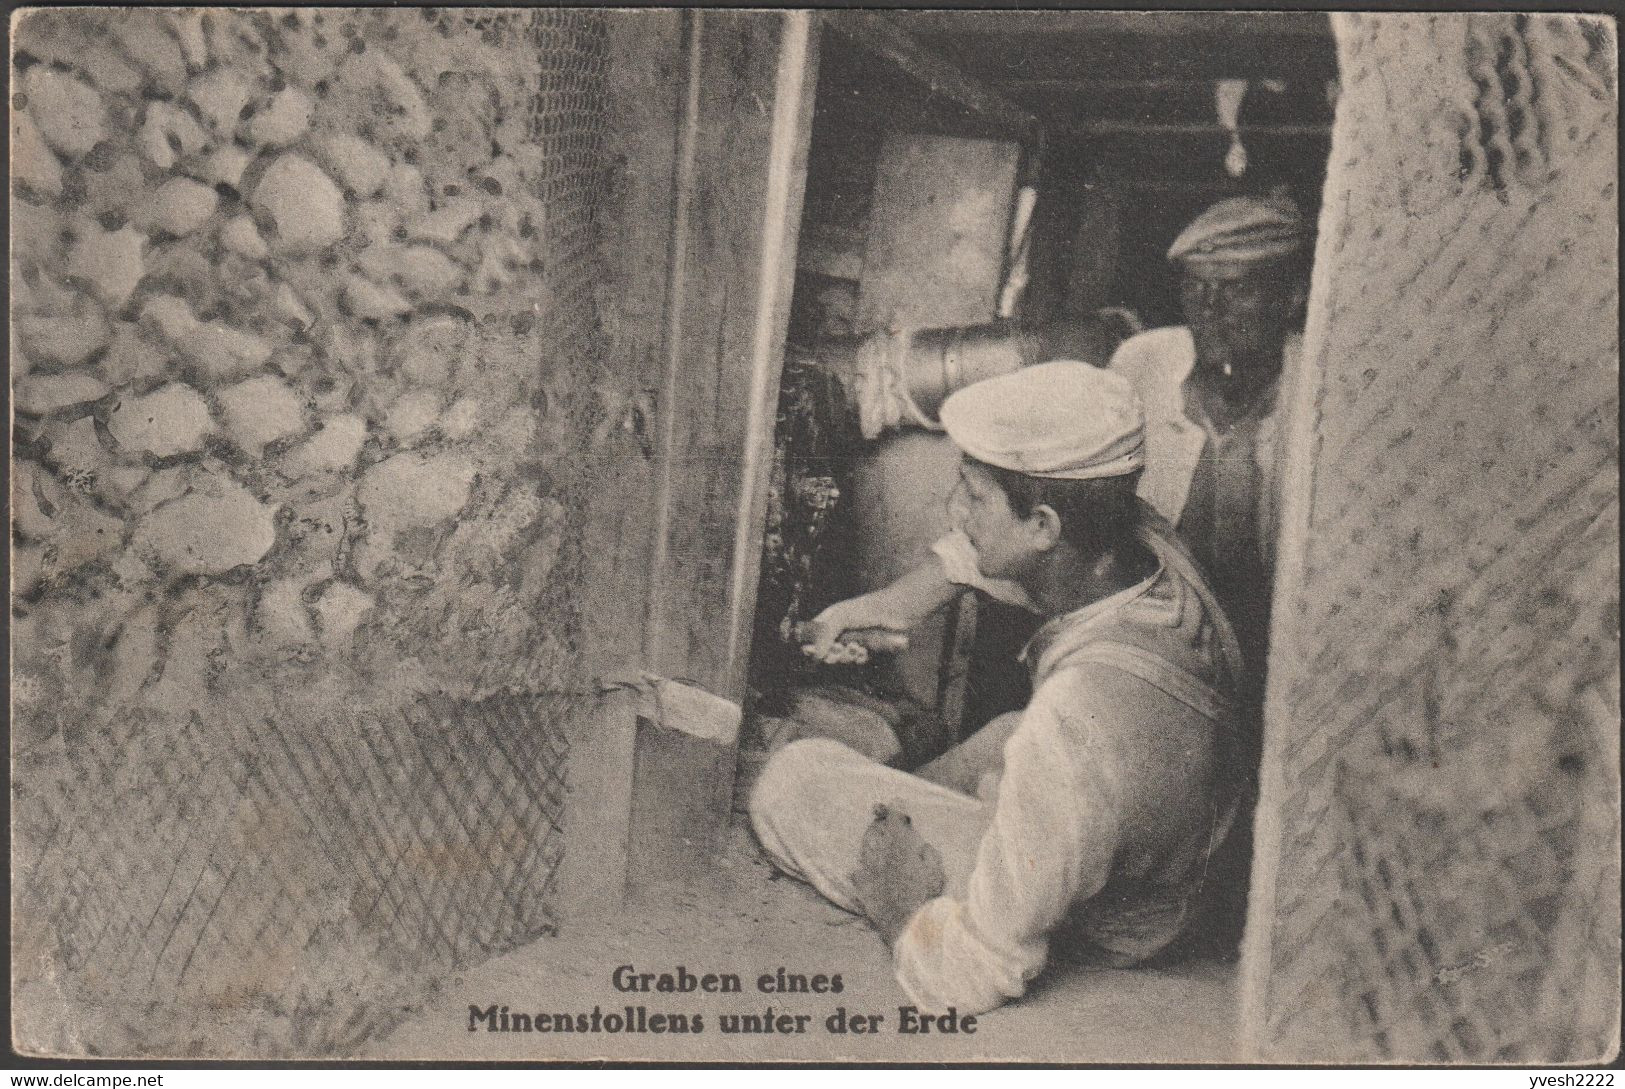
(814, 536)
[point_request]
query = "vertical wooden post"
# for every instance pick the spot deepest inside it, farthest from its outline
(741, 162)
(742, 156)
(649, 789)
(646, 108)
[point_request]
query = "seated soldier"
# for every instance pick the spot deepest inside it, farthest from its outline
(1083, 823)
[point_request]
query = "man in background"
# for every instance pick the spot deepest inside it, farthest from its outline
(1216, 392)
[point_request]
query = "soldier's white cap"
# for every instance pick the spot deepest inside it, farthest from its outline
(1242, 229)
(1065, 420)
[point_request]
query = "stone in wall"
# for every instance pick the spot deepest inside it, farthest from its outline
(209, 531)
(220, 349)
(413, 413)
(36, 242)
(288, 309)
(53, 394)
(60, 518)
(114, 189)
(31, 507)
(110, 262)
(339, 611)
(226, 165)
(413, 490)
(422, 269)
(221, 95)
(361, 166)
(261, 410)
(160, 487)
(334, 448)
(76, 449)
(131, 360)
(282, 118)
(151, 46)
(82, 534)
(68, 112)
(242, 237)
(283, 617)
(305, 208)
(65, 339)
(367, 299)
(169, 133)
(180, 206)
(34, 166)
(461, 418)
(113, 74)
(169, 421)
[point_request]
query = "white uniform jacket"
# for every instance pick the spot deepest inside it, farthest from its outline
(1157, 362)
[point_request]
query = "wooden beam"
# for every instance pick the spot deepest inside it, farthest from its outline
(1106, 126)
(874, 32)
(740, 177)
(1132, 84)
(616, 541)
(1179, 102)
(1095, 85)
(995, 58)
(592, 873)
(1154, 24)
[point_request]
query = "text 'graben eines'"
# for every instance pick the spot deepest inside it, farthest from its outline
(682, 981)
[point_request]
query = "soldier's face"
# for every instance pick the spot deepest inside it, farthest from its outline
(1239, 310)
(1004, 541)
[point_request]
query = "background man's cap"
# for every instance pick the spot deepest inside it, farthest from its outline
(1242, 229)
(1065, 420)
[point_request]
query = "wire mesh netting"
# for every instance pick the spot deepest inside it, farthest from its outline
(185, 862)
(1445, 706)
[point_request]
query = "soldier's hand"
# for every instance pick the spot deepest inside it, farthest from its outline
(868, 622)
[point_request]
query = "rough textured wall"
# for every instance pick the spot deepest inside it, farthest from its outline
(310, 314)
(1442, 774)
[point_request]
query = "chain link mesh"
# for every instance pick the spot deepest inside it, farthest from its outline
(399, 844)
(1447, 671)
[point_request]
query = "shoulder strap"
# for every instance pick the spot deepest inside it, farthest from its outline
(1161, 537)
(1158, 672)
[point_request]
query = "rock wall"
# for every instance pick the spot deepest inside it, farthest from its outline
(1437, 875)
(312, 313)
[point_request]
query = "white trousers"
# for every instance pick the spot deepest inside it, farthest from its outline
(817, 797)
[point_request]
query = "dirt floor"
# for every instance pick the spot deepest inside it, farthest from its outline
(746, 919)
